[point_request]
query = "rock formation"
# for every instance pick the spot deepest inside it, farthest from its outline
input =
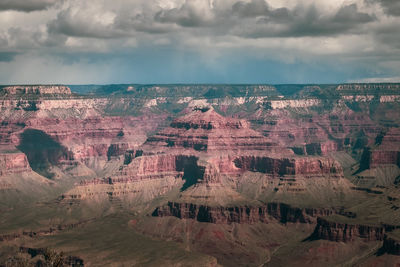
(13, 161)
(37, 90)
(346, 232)
(243, 173)
(241, 214)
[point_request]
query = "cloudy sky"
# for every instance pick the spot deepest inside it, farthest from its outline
(199, 41)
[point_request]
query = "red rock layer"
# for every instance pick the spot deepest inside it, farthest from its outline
(343, 232)
(316, 135)
(290, 166)
(380, 157)
(156, 164)
(13, 163)
(388, 152)
(206, 130)
(88, 140)
(241, 214)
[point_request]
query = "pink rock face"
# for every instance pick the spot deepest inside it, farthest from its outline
(149, 165)
(290, 166)
(388, 152)
(382, 157)
(87, 140)
(343, 232)
(157, 159)
(317, 131)
(13, 163)
(241, 214)
(206, 130)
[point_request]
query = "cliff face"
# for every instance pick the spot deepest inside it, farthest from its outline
(241, 214)
(206, 130)
(343, 232)
(388, 149)
(205, 148)
(290, 166)
(12, 163)
(37, 90)
(369, 86)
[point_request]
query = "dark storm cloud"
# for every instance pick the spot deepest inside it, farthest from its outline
(349, 14)
(7, 56)
(389, 35)
(100, 40)
(300, 21)
(257, 19)
(81, 25)
(26, 5)
(391, 7)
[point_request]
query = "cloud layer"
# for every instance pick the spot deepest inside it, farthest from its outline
(199, 40)
(26, 5)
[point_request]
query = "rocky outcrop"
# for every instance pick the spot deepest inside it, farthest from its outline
(387, 150)
(37, 90)
(13, 162)
(346, 232)
(389, 98)
(301, 103)
(241, 214)
(383, 157)
(290, 166)
(206, 130)
(368, 86)
(145, 166)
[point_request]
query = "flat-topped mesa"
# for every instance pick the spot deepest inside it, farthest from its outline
(368, 86)
(205, 130)
(37, 90)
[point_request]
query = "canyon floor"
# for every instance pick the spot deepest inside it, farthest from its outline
(200, 175)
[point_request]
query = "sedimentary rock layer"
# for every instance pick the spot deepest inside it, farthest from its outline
(12, 163)
(37, 90)
(241, 214)
(346, 232)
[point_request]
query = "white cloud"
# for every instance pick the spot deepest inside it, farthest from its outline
(287, 31)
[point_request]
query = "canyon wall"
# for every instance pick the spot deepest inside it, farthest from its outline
(37, 90)
(13, 163)
(346, 232)
(241, 214)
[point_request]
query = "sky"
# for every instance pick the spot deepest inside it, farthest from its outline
(199, 41)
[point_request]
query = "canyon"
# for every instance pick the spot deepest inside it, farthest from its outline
(208, 175)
